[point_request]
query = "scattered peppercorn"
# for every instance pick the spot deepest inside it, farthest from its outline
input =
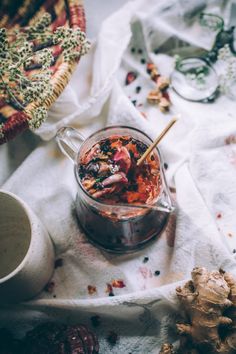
(105, 145)
(111, 294)
(141, 147)
(138, 89)
(132, 50)
(134, 102)
(112, 337)
(157, 272)
(143, 61)
(146, 259)
(152, 158)
(58, 263)
(219, 216)
(54, 296)
(140, 51)
(234, 250)
(165, 165)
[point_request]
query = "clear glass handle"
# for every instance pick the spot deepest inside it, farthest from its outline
(69, 141)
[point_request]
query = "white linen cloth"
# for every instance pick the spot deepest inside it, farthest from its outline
(201, 155)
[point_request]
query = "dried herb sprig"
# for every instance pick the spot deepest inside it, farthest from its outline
(29, 47)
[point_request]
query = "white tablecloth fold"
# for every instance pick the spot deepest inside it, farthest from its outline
(201, 156)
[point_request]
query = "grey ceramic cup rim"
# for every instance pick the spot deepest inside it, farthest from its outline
(22, 204)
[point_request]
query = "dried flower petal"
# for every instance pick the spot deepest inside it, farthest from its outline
(131, 76)
(118, 283)
(92, 289)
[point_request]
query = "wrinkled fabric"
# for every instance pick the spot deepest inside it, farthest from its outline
(200, 153)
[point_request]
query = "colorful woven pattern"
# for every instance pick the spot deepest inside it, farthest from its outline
(19, 14)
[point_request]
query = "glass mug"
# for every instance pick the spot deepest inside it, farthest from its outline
(119, 227)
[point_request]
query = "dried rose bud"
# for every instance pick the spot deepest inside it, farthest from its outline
(154, 96)
(92, 289)
(150, 67)
(166, 95)
(163, 82)
(118, 283)
(164, 105)
(131, 76)
(154, 74)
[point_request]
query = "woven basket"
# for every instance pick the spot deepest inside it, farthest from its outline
(63, 12)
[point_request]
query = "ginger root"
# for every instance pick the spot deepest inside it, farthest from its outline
(209, 304)
(167, 349)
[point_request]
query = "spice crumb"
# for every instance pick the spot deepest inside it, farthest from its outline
(143, 61)
(138, 89)
(157, 272)
(140, 51)
(165, 166)
(230, 235)
(146, 259)
(219, 215)
(134, 102)
(234, 250)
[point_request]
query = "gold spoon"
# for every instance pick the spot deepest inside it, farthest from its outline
(158, 139)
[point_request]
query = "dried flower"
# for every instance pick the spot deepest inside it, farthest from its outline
(22, 48)
(39, 116)
(163, 83)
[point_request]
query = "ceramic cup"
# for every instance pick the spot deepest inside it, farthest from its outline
(26, 251)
